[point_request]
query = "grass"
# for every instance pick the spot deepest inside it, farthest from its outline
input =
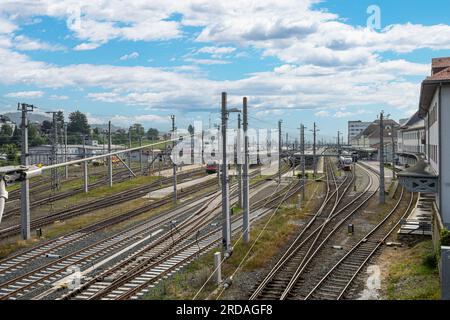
(414, 274)
(280, 229)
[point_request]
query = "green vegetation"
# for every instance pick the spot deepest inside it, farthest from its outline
(414, 274)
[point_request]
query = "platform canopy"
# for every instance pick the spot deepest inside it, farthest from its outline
(419, 178)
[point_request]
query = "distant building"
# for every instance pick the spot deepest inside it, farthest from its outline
(354, 129)
(43, 154)
(411, 140)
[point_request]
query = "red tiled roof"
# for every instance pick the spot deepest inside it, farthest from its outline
(441, 75)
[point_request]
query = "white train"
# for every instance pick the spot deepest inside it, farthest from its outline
(345, 163)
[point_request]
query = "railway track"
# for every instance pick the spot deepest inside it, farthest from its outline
(52, 197)
(132, 277)
(23, 284)
(334, 211)
(77, 210)
(335, 284)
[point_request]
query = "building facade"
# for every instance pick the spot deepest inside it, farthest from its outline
(411, 140)
(354, 129)
(434, 109)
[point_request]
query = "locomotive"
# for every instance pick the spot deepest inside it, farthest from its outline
(345, 163)
(212, 167)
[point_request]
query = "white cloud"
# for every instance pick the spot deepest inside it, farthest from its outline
(133, 55)
(25, 94)
(216, 52)
(58, 97)
(322, 114)
(86, 46)
(24, 43)
(206, 61)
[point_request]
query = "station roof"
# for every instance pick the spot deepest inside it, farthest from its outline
(415, 122)
(421, 170)
(440, 73)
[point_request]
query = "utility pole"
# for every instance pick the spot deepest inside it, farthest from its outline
(129, 152)
(54, 172)
(246, 206)
(66, 169)
(279, 151)
(393, 153)
(174, 164)
(85, 166)
(25, 184)
(338, 142)
(141, 164)
(314, 150)
(303, 161)
(239, 164)
(226, 228)
(110, 168)
(381, 154)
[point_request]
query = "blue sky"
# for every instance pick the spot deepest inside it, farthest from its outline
(140, 61)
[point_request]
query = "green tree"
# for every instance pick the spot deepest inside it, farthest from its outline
(137, 131)
(152, 134)
(78, 125)
(34, 136)
(191, 129)
(11, 152)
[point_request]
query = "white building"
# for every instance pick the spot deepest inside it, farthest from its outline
(354, 129)
(411, 140)
(434, 108)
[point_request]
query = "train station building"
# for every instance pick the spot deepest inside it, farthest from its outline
(430, 174)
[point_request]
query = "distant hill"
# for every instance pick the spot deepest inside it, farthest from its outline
(16, 117)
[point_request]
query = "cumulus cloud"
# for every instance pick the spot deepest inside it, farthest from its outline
(25, 94)
(133, 55)
(216, 52)
(322, 114)
(24, 43)
(324, 61)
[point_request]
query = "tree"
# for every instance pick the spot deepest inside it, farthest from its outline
(78, 123)
(11, 153)
(191, 129)
(152, 134)
(47, 127)
(34, 136)
(137, 131)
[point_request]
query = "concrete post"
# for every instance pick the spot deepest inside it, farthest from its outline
(66, 168)
(314, 151)
(381, 155)
(279, 150)
(174, 165)
(239, 164)
(141, 164)
(129, 153)
(246, 202)
(85, 167)
(303, 160)
(25, 185)
(217, 267)
(226, 228)
(110, 168)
